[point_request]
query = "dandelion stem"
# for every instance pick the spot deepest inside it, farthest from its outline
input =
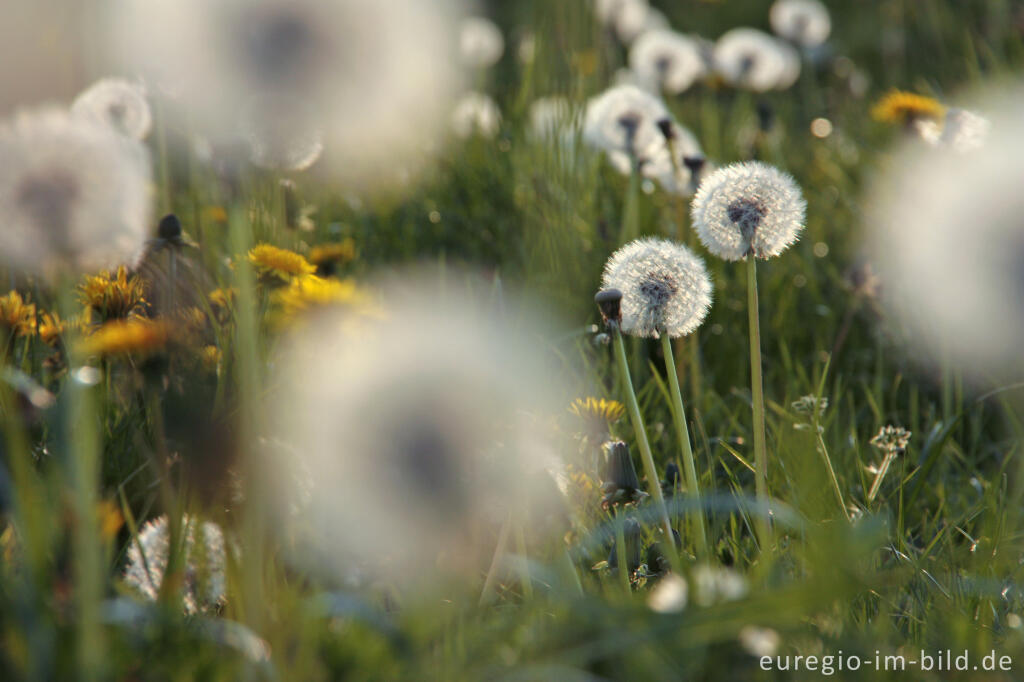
(650, 472)
(631, 211)
(828, 465)
(757, 394)
(883, 469)
(682, 431)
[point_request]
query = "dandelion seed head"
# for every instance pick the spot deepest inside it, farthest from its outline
(748, 208)
(481, 43)
(204, 586)
(665, 287)
(422, 415)
(945, 233)
(374, 79)
(751, 59)
(282, 134)
(964, 131)
(74, 194)
(623, 121)
(476, 114)
(664, 59)
(804, 22)
(118, 103)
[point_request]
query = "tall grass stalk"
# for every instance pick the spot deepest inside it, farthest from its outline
(683, 432)
(653, 484)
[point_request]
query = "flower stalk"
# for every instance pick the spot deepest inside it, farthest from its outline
(757, 395)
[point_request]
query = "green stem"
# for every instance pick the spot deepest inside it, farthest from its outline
(620, 552)
(683, 432)
(828, 465)
(653, 485)
(757, 394)
(631, 211)
(882, 471)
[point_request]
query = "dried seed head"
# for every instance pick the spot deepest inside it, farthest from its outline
(608, 302)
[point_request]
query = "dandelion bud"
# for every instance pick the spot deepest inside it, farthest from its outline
(621, 484)
(169, 228)
(608, 301)
(665, 126)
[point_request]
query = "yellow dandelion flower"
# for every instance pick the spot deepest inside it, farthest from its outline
(596, 416)
(215, 214)
(311, 291)
(114, 297)
(210, 356)
(223, 297)
(902, 107)
(282, 263)
(17, 315)
(51, 328)
(133, 336)
(333, 254)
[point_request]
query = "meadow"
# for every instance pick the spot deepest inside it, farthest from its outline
(332, 413)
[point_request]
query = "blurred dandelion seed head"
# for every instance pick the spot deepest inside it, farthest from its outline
(204, 586)
(751, 59)
(481, 43)
(623, 121)
(371, 82)
(476, 114)
(804, 22)
(74, 194)
(665, 287)
(944, 230)
(748, 208)
(118, 103)
(417, 429)
(664, 59)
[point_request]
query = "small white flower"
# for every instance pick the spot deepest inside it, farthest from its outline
(804, 22)
(476, 114)
(74, 193)
(759, 642)
(665, 287)
(664, 59)
(669, 595)
(204, 564)
(751, 59)
(119, 103)
(748, 208)
(481, 43)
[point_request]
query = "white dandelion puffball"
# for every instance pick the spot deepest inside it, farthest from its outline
(678, 167)
(118, 103)
(204, 587)
(623, 121)
(282, 136)
(664, 59)
(476, 114)
(803, 22)
(417, 428)
(946, 234)
(376, 79)
(481, 43)
(665, 287)
(748, 208)
(963, 130)
(751, 59)
(74, 194)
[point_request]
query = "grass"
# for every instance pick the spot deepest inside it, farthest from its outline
(932, 563)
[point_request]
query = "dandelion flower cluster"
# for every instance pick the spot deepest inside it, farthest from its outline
(748, 208)
(281, 263)
(418, 428)
(804, 22)
(665, 287)
(480, 42)
(945, 233)
(118, 103)
(74, 194)
(751, 59)
(664, 59)
(204, 563)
